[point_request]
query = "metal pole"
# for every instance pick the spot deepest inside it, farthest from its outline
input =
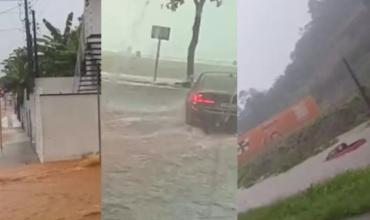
(29, 49)
(1, 129)
(99, 112)
(157, 60)
(357, 82)
(35, 48)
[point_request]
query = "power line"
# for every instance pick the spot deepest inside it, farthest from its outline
(8, 10)
(10, 29)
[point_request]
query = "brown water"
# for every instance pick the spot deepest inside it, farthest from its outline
(53, 191)
(156, 167)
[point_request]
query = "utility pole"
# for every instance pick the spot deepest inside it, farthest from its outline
(35, 48)
(357, 82)
(1, 122)
(99, 110)
(29, 49)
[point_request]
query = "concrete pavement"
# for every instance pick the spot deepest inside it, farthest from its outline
(17, 149)
(363, 217)
(311, 171)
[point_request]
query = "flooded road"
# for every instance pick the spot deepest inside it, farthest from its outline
(157, 168)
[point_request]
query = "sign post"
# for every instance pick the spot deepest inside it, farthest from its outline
(160, 33)
(1, 122)
(157, 60)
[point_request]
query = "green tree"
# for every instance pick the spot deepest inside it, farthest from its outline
(59, 50)
(15, 79)
(199, 5)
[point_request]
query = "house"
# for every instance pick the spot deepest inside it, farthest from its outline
(277, 128)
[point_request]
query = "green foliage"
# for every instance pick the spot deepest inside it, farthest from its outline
(59, 51)
(175, 4)
(199, 4)
(338, 28)
(303, 144)
(15, 69)
(344, 196)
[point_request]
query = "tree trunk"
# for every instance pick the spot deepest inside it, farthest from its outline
(194, 40)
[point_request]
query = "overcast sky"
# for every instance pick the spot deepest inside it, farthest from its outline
(12, 29)
(128, 23)
(267, 33)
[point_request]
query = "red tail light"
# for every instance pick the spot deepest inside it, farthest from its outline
(199, 99)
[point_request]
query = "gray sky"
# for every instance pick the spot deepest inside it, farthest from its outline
(128, 22)
(53, 10)
(267, 33)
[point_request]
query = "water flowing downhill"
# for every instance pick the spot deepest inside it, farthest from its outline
(155, 166)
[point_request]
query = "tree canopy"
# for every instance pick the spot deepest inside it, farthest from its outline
(199, 4)
(59, 49)
(58, 58)
(337, 28)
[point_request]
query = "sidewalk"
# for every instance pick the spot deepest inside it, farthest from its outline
(310, 172)
(31, 190)
(363, 217)
(17, 149)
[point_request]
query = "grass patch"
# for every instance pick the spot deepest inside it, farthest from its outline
(304, 144)
(346, 195)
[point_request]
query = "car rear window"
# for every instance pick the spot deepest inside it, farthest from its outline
(218, 82)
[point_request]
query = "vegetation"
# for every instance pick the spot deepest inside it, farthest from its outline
(344, 196)
(15, 79)
(58, 57)
(59, 50)
(199, 5)
(305, 143)
(338, 28)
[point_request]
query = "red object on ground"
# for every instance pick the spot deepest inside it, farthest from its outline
(280, 126)
(336, 153)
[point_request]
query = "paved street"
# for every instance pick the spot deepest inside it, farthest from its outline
(309, 172)
(155, 166)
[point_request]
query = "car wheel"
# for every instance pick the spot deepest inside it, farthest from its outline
(188, 117)
(205, 128)
(205, 125)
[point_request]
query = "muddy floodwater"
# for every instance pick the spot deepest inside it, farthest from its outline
(157, 168)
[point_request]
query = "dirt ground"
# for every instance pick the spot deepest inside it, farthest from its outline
(55, 191)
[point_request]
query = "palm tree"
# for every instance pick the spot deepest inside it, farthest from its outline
(59, 50)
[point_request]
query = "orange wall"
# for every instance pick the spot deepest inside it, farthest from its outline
(279, 126)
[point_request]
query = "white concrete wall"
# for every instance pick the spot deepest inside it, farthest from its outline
(38, 128)
(69, 125)
(54, 85)
(92, 16)
(25, 115)
(33, 119)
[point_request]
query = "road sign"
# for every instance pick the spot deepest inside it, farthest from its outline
(160, 32)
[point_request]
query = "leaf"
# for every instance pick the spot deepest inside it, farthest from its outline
(67, 29)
